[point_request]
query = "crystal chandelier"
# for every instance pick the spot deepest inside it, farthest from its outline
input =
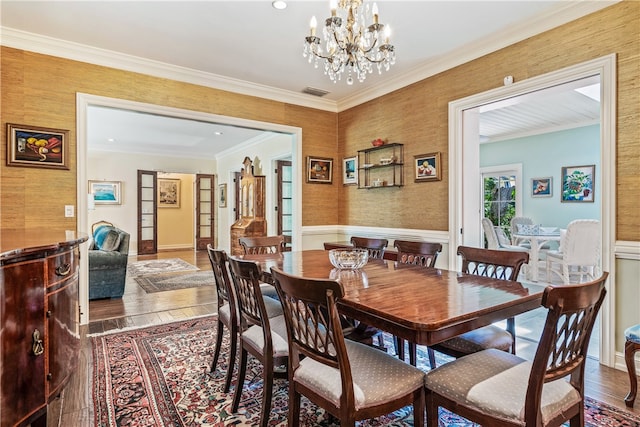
(354, 47)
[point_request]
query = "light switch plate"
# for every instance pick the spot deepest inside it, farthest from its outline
(68, 211)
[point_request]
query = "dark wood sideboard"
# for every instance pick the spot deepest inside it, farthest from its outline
(40, 314)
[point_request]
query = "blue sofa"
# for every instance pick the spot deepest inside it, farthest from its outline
(108, 256)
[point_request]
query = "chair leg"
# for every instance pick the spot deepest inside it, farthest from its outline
(218, 344)
(419, 409)
(294, 406)
(242, 369)
(432, 409)
(511, 328)
(267, 392)
(630, 349)
(399, 344)
(232, 358)
(432, 357)
(413, 354)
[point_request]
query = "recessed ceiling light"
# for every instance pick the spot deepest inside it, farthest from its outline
(217, 133)
(279, 4)
(111, 139)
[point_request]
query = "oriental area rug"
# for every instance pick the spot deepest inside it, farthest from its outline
(159, 376)
(172, 281)
(157, 266)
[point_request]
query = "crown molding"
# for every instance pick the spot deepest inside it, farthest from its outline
(562, 14)
(79, 52)
(565, 12)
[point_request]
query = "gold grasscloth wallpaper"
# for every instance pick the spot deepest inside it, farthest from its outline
(417, 116)
(40, 90)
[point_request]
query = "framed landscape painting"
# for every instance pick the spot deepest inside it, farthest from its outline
(106, 192)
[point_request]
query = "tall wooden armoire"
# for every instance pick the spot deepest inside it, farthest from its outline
(252, 220)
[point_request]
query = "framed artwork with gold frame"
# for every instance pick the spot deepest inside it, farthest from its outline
(319, 170)
(37, 147)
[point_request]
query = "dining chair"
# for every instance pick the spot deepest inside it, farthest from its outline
(361, 331)
(496, 388)
(263, 244)
(498, 264)
(227, 311)
(262, 333)
(350, 380)
(579, 252)
(631, 347)
(375, 247)
(497, 239)
(513, 227)
(423, 254)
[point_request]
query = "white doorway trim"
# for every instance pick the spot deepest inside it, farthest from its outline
(83, 101)
(605, 67)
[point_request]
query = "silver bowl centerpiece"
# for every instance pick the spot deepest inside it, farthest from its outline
(348, 258)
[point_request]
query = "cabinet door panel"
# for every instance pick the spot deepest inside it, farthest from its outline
(23, 389)
(62, 323)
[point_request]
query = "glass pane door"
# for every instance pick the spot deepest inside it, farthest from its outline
(204, 210)
(147, 213)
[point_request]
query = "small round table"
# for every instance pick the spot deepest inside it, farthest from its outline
(632, 344)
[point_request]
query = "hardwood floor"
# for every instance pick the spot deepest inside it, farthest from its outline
(137, 308)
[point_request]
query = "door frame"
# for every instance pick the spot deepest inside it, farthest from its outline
(84, 100)
(605, 68)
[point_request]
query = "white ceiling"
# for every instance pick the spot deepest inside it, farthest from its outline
(249, 47)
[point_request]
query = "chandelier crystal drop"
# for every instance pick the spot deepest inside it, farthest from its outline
(350, 45)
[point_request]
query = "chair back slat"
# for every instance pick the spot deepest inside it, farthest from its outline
(218, 260)
(503, 265)
(312, 317)
(375, 247)
(423, 254)
(245, 276)
(262, 244)
(562, 350)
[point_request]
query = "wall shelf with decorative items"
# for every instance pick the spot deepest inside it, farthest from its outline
(381, 166)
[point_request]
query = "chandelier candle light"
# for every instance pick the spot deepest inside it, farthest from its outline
(354, 47)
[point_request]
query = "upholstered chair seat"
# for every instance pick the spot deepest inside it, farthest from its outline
(399, 377)
(254, 336)
(495, 382)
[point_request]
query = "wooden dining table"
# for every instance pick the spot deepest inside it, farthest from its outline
(422, 305)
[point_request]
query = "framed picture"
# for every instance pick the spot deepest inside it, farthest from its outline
(350, 170)
(319, 170)
(542, 187)
(168, 193)
(106, 192)
(37, 147)
(578, 183)
(222, 195)
(427, 167)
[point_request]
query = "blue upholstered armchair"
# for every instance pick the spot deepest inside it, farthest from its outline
(108, 255)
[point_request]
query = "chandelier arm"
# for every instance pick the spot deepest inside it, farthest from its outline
(348, 48)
